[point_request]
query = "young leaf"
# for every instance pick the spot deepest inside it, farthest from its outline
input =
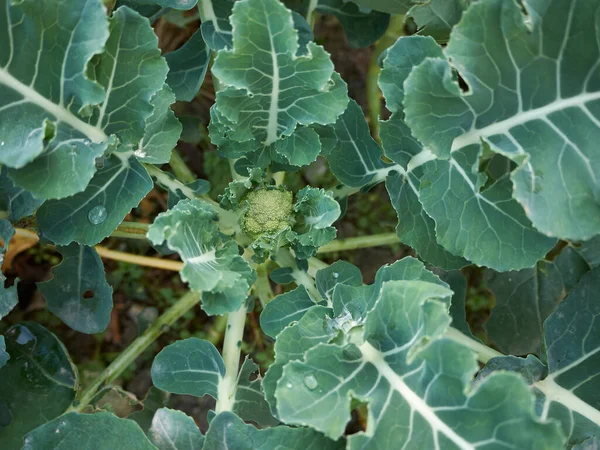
(174, 430)
(285, 309)
(39, 381)
(266, 98)
(215, 26)
(212, 263)
(78, 292)
(90, 216)
(162, 130)
(187, 67)
(340, 272)
(90, 431)
(227, 431)
(415, 381)
(539, 112)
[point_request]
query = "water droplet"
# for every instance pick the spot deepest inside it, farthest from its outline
(2, 143)
(289, 385)
(336, 275)
(310, 382)
(97, 215)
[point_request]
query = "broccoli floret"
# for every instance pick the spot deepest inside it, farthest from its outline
(268, 211)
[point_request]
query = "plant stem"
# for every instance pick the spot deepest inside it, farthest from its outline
(484, 353)
(146, 261)
(395, 29)
(180, 169)
(132, 230)
(263, 285)
(354, 243)
(232, 347)
(310, 13)
(284, 258)
(135, 349)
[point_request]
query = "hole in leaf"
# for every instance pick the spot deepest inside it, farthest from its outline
(88, 294)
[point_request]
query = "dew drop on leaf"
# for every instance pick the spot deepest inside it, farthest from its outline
(310, 382)
(97, 215)
(335, 275)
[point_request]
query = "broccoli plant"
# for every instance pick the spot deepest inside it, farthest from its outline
(487, 149)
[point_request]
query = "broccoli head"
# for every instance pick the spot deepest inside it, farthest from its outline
(268, 212)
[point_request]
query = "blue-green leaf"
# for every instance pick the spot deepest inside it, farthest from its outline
(187, 67)
(90, 216)
(227, 431)
(8, 296)
(191, 366)
(174, 430)
(539, 112)
(17, 201)
(285, 309)
(90, 431)
(39, 381)
(78, 292)
(212, 263)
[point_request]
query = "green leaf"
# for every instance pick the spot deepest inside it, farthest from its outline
(174, 430)
(415, 227)
(154, 400)
(250, 403)
(187, 67)
(38, 382)
(212, 263)
(281, 90)
(354, 156)
(567, 388)
(573, 352)
(82, 110)
(340, 272)
(190, 366)
(162, 130)
(90, 216)
(487, 226)
(216, 28)
(17, 201)
(458, 284)
(285, 309)
(78, 292)
(316, 210)
(539, 112)
(362, 28)
(299, 149)
(4, 356)
(227, 431)
(388, 6)
(90, 431)
(524, 299)
(414, 380)
(8, 296)
(175, 4)
(437, 18)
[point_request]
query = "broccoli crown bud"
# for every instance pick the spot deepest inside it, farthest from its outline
(268, 211)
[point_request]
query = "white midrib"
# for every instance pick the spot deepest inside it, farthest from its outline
(473, 136)
(274, 106)
(416, 403)
(556, 393)
(203, 258)
(60, 113)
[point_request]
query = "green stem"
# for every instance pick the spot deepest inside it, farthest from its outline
(135, 349)
(132, 230)
(354, 243)
(395, 29)
(180, 169)
(284, 258)
(484, 353)
(232, 347)
(263, 285)
(310, 13)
